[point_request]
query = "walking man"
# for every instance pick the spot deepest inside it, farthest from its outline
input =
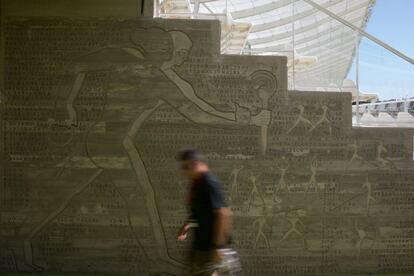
(209, 214)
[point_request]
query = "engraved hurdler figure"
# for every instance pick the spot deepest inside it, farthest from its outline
(234, 184)
(281, 185)
(368, 186)
(312, 184)
(300, 119)
(261, 223)
(135, 61)
(355, 155)
(323, 119)
(383, 162)
(293, 218)
(255, 193)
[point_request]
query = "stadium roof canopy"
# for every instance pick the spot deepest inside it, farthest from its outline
(319, 47)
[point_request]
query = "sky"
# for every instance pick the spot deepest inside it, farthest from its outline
(380, 71)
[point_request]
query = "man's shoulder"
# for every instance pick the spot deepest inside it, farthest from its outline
(215, 190)
(211, 179)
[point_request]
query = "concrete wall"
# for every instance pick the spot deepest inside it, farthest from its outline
(94, 111)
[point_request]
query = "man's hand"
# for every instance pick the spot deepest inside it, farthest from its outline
(182, 234)
(262, 119)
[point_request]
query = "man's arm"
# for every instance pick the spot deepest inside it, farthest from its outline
(222, 226)
(190, 223)
(222, 214)
(182, 234)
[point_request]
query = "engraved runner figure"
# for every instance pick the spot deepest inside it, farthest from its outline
(355, 155)
(261, 223)
(323, 119)
(234, 184)
(383, 162)
(362, 236)
(312, 184)
(370, 198)
(293, 218)
(255, 193)
(281, 185)
(300, 119)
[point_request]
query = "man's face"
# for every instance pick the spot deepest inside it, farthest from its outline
(189, 168)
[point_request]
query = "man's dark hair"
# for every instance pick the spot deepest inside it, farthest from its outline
(190, 155)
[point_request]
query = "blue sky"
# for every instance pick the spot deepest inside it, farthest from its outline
(382, 72)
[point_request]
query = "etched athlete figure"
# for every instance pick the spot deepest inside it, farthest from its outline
(255, 193)
(312, 184)
(362, 236)
(368, 185)
(355, 154)
(281, 185)
(133, 60)
(383, 162)
(234, 184)
(261, 223)
(300, 119)
(323, 119)
(293, 218)
(118, 59)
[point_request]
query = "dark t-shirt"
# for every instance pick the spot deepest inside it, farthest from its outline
(207, 195)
